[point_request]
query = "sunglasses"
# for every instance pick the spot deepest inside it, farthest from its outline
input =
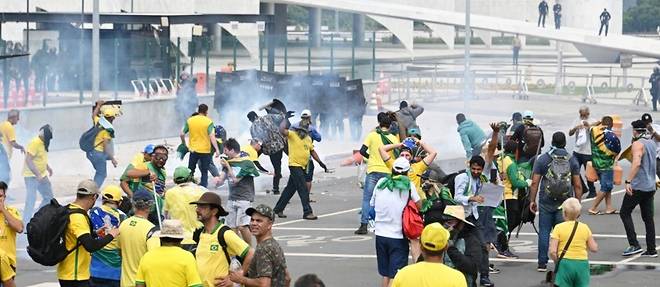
(160, 156)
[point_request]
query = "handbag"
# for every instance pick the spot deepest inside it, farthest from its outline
(412, 220)
(581, 138)
(550, 276)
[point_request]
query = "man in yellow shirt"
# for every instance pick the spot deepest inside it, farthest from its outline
(74, 270)
(168, 265)
(7, 272)
(136, 236)
(432, 271)
(214, 257)
(300, 149)
(139, 161)
(177, 202)
(36, 172)
(10, 224)
(103, 115)
(376, 168)
(8, 134)
(201, 138)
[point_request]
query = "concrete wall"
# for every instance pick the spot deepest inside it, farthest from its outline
(141, 120)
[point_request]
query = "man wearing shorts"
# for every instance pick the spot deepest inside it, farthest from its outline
(241, 190)
(603, 162)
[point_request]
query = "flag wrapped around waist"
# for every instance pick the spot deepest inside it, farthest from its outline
(243, 166)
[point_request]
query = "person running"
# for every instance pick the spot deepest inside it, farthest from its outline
(603, 159)
(8, 137)
(169, 264)
(201, 133)
(300, 149)
(268, 268)
(561, 179)
(571, 258)
(604, 22)
(177, 203)
(435, 242)
(239, 170)
(390, 196)
(472, 136)
(10, 225)
(74, 270)
(36, 172)
(136, 236)
(103, 116)
(640, 189)
(543, 11)
(582, 152)
(214, 258)
(105, 267)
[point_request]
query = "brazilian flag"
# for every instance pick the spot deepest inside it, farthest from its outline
(243, 166)
(501, 223)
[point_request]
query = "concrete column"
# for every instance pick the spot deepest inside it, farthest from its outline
(280, 22)
(315, 27)
(358, 29)
(216, 31)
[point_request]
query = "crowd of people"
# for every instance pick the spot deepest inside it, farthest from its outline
(148, 232)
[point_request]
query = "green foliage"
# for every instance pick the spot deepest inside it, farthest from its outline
(644, 17)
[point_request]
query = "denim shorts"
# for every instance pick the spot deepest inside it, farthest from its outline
(391, 254)
(606, 179)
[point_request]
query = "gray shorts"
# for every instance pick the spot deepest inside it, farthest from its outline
(237, 217)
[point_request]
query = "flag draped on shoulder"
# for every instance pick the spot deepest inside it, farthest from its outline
(243, 166)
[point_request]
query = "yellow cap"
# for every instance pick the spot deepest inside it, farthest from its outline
(434, 237)
(112, 192)
(110, 111)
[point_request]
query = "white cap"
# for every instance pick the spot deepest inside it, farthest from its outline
(528, 114)
(401, 165)
(305, 113)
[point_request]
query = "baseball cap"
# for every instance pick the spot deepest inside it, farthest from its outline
(110, 111)
(414, 131)
(306, 113)
(171, 228)
(262, 209)
(112, 192)
(87, 186)
(528, 114)
(181, 172)
(647, 118)
(434, 237)
(142, 194)
(211, 198)
(401, 165)
(149, 149)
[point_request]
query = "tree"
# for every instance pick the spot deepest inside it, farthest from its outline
(645, 17)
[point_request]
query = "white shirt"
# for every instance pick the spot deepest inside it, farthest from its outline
(389, 209)
(656, 128)
(586, 147)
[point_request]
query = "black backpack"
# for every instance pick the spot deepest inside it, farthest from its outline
(221, 240)
(46, 231)
(86, 141)
(532, 137)
(558, 178)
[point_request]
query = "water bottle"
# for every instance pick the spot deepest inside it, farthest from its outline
(235, 266)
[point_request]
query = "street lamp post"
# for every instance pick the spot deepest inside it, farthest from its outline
(467, 76)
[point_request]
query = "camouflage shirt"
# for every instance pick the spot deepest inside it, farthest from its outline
(269, 261)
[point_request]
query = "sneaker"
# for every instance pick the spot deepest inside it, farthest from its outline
(492, 270)
(542, 268)
(507, 255)
(632, 250)
(310, 216)
(486, 282)
(650, 253)
(362, 229)
(280, 214)
(276, 192)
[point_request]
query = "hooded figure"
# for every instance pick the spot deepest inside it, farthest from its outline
(472, 136)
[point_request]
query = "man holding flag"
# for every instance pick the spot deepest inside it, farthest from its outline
(240, 170)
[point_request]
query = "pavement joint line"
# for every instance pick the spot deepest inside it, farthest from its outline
(373, 256)
(320, 216)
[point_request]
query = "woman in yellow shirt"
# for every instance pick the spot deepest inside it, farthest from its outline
(573, 268)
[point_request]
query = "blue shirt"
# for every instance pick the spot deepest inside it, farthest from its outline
(541, 166)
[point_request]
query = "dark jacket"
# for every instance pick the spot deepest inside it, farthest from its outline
(543, 7)
(467, 262)
(519, 134)
(407, 116)
(556, 9)
(654, 79)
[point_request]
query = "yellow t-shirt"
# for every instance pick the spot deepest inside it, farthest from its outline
(211, 260)
(373, 142)
(168, 266)
(578, 248)
(100, 137)
(6, 270)
(8, 235)
(134, 241)
(76, 265)
(138, 161)
(177, 206)
(504, 163)
(8, 135)
(299, 149)
(414, 173)
(253, 155)
(427, 274)
(199, 127)
(37, 149)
